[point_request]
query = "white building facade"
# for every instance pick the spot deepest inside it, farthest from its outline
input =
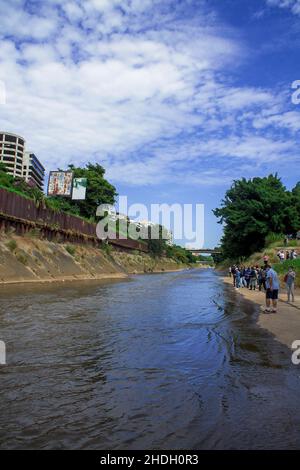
(18, 162)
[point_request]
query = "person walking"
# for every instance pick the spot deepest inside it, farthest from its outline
(237, 278)
(289, 279)
(243, 278)
(293, 254)
(272, 285)
(286, 240)
(261, 279)
(233, 271)
(253, 278)
(229, 271)
(247, 277)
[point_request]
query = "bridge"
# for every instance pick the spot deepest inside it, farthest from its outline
(204, 251)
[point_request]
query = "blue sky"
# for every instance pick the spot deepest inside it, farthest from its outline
(174, 98)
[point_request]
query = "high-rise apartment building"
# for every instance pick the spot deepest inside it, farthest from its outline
(33, 170)
(18, 162)
(12, 149)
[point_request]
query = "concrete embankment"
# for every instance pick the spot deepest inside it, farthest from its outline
(30, 259)
(285, 324)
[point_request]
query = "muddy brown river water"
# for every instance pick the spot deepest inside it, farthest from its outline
(168, 361)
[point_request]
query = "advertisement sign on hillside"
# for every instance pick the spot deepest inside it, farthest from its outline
(60, 183)
(79, 188)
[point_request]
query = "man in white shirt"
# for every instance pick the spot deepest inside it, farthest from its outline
(272, 285)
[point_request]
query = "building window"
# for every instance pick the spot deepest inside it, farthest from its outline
(10, 138)
(9, 146)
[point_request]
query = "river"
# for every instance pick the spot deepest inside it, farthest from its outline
(165, 361)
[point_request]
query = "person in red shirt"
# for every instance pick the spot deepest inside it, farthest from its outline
(266, 259)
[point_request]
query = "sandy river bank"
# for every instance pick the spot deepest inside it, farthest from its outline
(32, 260)
(285, 324)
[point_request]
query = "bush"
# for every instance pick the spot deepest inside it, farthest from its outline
(282, 268)
(274, 238)
(33, 233)
(71, 250)
(12, 245)
(106, 248)
(180, 254)
(22, 257)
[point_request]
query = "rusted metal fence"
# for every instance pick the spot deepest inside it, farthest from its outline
(25, 211)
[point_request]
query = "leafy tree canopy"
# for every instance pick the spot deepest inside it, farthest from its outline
(254, 208)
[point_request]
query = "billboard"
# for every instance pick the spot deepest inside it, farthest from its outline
(60, 183)
(79, 188)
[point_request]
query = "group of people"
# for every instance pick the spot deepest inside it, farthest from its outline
(284, 255)
(250, 277)
(264, 278)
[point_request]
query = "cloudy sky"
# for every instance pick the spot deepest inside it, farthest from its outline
(175, 98)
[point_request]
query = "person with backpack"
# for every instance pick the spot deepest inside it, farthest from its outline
(247, 276)
(261, 278)
(289, 280)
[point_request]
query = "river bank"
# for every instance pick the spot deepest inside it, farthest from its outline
(285, 324)
(29, 259)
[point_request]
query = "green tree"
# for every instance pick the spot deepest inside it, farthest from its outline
(19, 186)
(6, 180)
(254, 208)
(180, 254)
(99, 191)
(156, 242)
(296, 200)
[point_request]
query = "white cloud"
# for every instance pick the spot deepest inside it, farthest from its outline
(98, 80)
(242, 98)
(289, 120)
(293, 5)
